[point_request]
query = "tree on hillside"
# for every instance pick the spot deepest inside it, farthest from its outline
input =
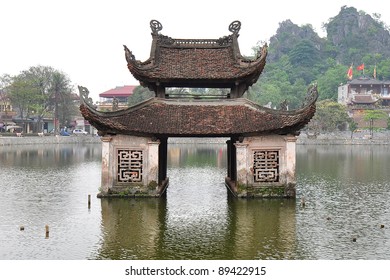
(328, 82)
(383, 69)
(304, 53)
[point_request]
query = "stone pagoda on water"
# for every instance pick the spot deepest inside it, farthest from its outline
(261, 146)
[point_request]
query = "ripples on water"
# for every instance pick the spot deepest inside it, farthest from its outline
(48, 185)
(346, 191)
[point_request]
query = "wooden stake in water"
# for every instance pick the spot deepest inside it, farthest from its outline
(47, 231)
(89, 201)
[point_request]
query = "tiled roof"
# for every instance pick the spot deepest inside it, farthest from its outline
(363, 99)
(365, 81)
(120, 91)
(200, 118)
(196, 63)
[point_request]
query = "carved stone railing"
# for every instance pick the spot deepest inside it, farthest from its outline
(221, 42)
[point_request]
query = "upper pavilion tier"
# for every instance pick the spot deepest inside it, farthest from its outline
(196, 63)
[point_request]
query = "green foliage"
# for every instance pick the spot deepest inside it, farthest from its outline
(140, 94)
(39, 91)
(304, 54)
(23, 95)
(352, 125)
(329, 116)
(374, 115)
(383, 69)
(330, 80)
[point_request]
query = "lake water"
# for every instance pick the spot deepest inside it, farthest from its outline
(346, 214)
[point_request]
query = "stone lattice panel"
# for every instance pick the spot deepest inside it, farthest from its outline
(130, 165)
(266, 166)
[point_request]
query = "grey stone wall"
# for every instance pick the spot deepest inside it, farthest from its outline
(345, 138)
(32, 140)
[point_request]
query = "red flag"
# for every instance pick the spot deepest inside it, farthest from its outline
(350, 73)
(360, 67)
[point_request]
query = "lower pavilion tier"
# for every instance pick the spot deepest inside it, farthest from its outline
(261, 149)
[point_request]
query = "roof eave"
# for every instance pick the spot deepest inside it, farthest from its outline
(142, 123)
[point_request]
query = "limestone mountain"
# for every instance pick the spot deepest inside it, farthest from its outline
(298, 56)
(351, 35)
(291, 38)
(355, 34)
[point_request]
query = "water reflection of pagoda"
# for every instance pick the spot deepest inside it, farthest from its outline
(154, 230)
(261, 149)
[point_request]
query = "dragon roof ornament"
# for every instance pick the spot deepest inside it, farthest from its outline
(84, 94)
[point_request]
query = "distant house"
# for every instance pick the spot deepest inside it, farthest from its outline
(363, 94)
(119, 94)
(6, 114)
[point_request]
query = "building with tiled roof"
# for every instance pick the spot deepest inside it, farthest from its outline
(365, 93)
(364, 99)
(261, 149)
(363, 86)
(120, 93)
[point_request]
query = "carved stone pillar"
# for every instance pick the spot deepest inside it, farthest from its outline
(265, 167)
(130, 166)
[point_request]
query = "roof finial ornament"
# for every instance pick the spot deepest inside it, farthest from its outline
(156, 26)
(235, 27)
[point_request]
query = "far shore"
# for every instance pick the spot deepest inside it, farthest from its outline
(332, 138)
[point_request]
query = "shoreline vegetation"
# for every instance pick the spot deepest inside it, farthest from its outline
(332, 138)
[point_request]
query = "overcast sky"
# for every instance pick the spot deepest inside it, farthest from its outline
(84, 38)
